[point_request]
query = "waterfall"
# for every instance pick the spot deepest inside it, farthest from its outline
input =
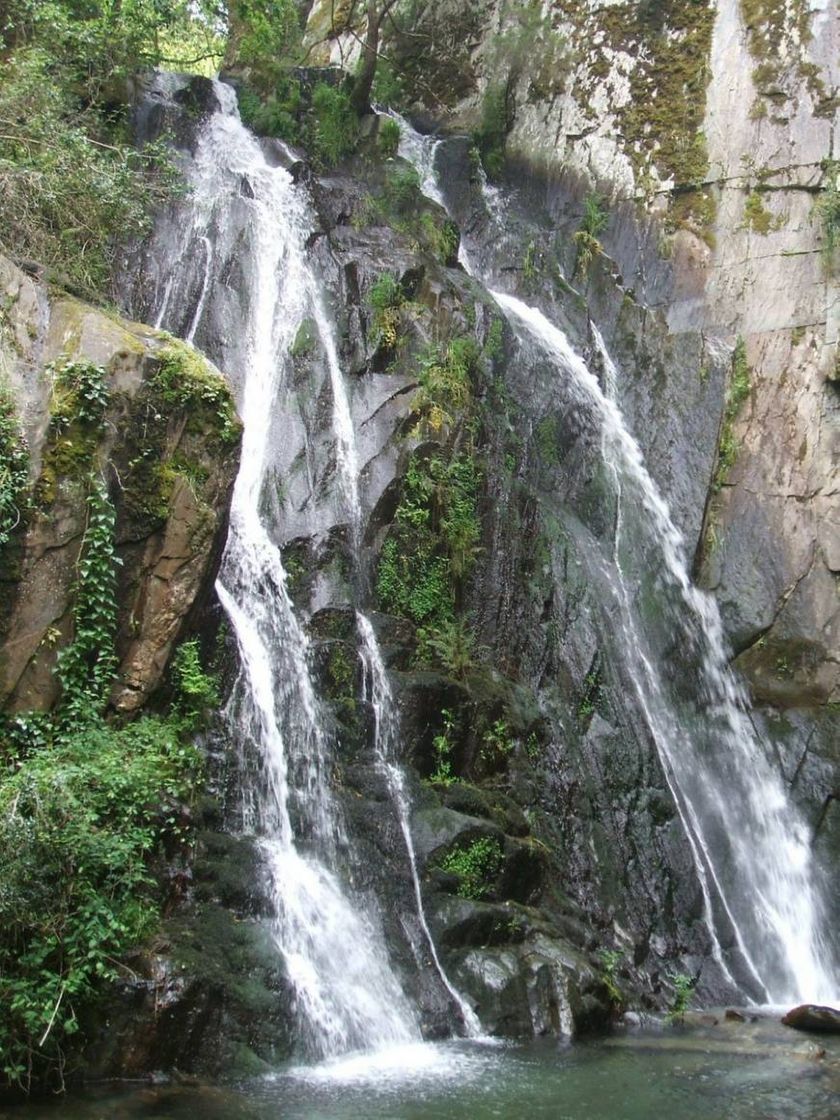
(751, 851)
(750, 847)
(380, 697)
(344, 991)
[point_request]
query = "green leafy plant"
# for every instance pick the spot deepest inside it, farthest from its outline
(497, 743)
(445, 391)
(387, 299)
(388, 137)
(433, 542)
(14, 467)
(610, 960)
(476, 865)
(197, 690)
(442, 747)
(86, 667)
(594, 222)
(450, 646)
(683, 987)
(336, 124)
(737, 392)
(402, 189)
(828, 211)
(80, 819)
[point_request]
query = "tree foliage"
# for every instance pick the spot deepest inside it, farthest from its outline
(71, 183)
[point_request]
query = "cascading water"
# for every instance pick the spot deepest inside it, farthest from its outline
(343, 1000)
(381, 700)
(750, 849)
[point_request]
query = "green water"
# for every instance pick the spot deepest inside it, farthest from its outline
(703, 1072)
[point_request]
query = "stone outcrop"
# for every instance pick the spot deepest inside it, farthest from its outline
(167, 468)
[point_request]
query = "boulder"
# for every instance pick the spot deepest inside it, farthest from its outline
(813, 1017)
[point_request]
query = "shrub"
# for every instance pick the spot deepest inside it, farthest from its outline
(336, 124)
(80, 820)
(476, 866)
(828, 211)
(14, 467)
(683, 987)
(388, 137)
(70, 190)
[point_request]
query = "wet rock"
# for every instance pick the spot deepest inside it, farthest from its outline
(169, 476)
(813, 1017)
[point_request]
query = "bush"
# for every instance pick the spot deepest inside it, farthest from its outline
(388, 137)
(476, 866)
(80, 820)
(336, 124)
(71, 185)
(14, 467)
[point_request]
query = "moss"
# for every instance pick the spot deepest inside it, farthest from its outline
(77, 410)
(661, 123)
(737, 393)
(778, 32)
(185, 380)
(756, 217)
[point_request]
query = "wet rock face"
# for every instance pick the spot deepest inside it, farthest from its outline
(168, 471)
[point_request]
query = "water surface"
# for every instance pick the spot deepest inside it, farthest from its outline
(705, 1071)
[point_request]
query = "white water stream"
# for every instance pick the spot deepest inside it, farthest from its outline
(751, 849)
(345, 993)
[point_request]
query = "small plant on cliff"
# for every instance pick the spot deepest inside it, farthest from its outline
(737, 393)
(14, 467)
(476, 865)
(442, 774)
(386, 298)
(336, 124)
(683, 987)
(593, 224)
(198, 690)
(86, 667)
(828, 211)
(610, 960)
(388, 137)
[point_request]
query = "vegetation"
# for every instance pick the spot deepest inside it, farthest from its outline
(386, 298)
(828, 212)
(491, 135)
(446, 383)
(610, 960)
(85, 810)
(476, 865)
(593, 224)
(432, 543)
(737, 393)
(71, 184)
(184, 380)
(443, 775)
(14, 468)
(683, 987)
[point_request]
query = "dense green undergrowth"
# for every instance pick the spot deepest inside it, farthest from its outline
(72, 185)
(89, 808)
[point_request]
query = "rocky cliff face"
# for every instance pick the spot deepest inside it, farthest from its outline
(710, 128)
(166, 456)
(708, 154)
